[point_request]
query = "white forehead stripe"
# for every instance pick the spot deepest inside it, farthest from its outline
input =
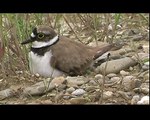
(32, 35)
(38, 44)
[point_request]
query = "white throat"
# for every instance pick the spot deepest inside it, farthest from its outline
(39, 44)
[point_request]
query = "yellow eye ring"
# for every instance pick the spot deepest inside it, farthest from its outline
(40, 36)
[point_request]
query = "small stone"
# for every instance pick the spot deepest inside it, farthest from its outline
(58, 81)
(19, 72)
(124, 73)
(141, 56)
(51, 95)
(98, 76)
(66, 97)
(144, 100)
(59, 96)
(145, 66)
(92, 82)
(1, 80)
(6, 93)
(37, 75)
(146, 63)
(78, 92)
(135, 99)
(147, 81)
(125, 95)
(128, 83)
(111, 75)
(107, 95)
(114, 79)
(99, 81)
(80, 100)
(62, 87)
(144, 85)
(90, 88)
(70, 90)
(137, 83)
(131, 68)
(75, 81)
(110, 27)
(146, 76)
(145, 90)
(46, 102)
(137, 90)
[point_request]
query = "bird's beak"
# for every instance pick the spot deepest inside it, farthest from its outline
(27, 41)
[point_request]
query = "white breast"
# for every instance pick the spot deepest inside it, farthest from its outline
(41, 65)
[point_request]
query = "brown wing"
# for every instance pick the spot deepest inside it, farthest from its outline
(73, 59)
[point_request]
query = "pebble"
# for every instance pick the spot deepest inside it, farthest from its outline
(79, 100)
(37, 75)
(6, 93)
(144, 85)
(124, 73)
(58, 81)
(46, 102)
(75, 81)
(114, 79)
(66, 97)
(107, 95)
(51, 95)
(146, 76)
(142, 56)
(59, 96)
(145, 66)
(145, 90)
(19, 72)
(70, 90)
(125, 95)
(78, 92)
(137, 83)
(93, 97)
(62, 87)
(131, 68)
(144, 100)
(128, 83)
(137, 90)
(146, 81)
(111, 75)
(98, 76)
(91, 88)
(92, 82)
(135, 99)
(146, 63)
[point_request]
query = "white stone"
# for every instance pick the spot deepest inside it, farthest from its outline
(124, 73)
(111, 75)
(78, 92)
(144, 100)
(107, 94)
(135, 99)
(98, 76)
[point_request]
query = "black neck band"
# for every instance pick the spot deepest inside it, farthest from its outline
(40, 51)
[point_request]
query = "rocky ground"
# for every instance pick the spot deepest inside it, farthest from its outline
(121, 79)
(125, 82)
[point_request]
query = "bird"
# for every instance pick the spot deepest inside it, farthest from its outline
(53, 55)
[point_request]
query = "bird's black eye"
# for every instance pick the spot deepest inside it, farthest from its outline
(40, 35)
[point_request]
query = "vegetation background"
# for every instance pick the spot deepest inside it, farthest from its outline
(85, 28)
